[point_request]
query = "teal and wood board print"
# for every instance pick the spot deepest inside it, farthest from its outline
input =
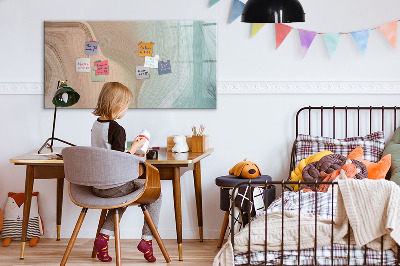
(166, 64)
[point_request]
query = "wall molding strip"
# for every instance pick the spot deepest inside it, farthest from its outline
(260, 87)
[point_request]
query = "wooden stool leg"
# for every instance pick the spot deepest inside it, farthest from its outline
(223, 229)
(73, 237)
(154, 230)
(117, 239)
(101, 222)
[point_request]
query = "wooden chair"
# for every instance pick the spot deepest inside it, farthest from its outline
(85, 167)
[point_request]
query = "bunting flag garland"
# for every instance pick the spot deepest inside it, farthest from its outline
(237, 9)
(213, 2)
(306, 39)
(332, 41)
(281, 31)
(256, 28)
(361, 37)
(389, 30)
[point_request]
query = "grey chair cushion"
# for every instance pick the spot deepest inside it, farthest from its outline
(83, 196)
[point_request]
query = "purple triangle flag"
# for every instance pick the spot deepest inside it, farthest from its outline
(306, 39)
(361, 37)
(237, 9)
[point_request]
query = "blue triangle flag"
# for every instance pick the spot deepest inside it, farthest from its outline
(332, 41)
(213, 2)
(237, 9)
(361, 37)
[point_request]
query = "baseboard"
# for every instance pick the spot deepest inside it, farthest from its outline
(260, 87)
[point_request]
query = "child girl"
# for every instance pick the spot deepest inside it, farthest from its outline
(112, 104)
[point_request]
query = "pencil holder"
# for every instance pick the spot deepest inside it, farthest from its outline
(200, 143)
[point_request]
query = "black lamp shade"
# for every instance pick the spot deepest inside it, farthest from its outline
(273, 11)
(65, 96)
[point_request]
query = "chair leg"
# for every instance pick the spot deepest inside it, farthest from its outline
(101, 222)
(73, 237)
(223, 229)
(154, 230)
(117, 239)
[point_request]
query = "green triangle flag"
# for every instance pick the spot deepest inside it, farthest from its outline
(256, 28)
(213, 2)
(332, 41)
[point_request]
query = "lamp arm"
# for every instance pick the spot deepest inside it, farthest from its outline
(54, 126)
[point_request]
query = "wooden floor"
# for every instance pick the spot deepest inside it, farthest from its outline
(50, 252)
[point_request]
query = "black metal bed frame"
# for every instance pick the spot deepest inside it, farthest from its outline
(283, 184)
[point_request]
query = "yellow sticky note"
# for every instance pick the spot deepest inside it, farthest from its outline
(145, 48)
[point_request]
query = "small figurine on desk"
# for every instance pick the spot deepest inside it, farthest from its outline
(180, 144)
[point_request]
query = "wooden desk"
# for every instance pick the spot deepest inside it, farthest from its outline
(169, 165)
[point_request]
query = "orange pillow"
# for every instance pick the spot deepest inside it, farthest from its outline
(375, 170)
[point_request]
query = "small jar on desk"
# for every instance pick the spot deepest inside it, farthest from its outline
(226, 183)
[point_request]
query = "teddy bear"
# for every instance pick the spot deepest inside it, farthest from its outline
(245, 169)
(180, 144)
(13, 215)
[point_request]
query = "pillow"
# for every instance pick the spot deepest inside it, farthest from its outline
(393, 148)
(372, 144)
(375, 170)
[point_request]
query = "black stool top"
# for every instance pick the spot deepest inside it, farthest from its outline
(230, 181)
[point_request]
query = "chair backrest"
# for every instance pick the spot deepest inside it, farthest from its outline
(92, 166)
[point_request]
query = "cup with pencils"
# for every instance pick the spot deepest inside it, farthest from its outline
(199, 140)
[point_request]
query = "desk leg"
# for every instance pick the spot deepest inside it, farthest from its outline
(199, 204)
(176, 182)
(27, 206)
(60, 190)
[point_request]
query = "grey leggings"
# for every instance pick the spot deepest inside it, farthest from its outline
(154, 208)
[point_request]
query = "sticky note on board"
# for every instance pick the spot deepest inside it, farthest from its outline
(142, 72)
(83, 65)
(94, 78)
(102, 67)
(164, 67)
(151, 62)
(91, 48)
(145, 48)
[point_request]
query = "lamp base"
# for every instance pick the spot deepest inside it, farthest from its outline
(50, 146)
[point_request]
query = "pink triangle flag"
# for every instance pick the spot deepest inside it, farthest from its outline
(389, 30)
(281, 31)
(306, 39)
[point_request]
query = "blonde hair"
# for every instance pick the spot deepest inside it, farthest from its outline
(113, 97)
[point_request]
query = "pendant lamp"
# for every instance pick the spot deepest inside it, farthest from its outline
(272, 11)
(63, 97)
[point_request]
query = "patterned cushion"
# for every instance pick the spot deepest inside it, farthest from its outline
(372, 144)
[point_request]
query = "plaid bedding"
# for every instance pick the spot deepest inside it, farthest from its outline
(322, 207)
(372, 145)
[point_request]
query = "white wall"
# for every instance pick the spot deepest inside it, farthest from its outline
(257, 127)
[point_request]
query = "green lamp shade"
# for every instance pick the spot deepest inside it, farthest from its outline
(65, 96)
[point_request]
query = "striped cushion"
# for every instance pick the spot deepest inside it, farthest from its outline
(13, 228)
(372, 145)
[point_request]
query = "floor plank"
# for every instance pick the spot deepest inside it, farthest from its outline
(50, 252)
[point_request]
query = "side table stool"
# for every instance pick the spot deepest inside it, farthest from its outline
(226, 183)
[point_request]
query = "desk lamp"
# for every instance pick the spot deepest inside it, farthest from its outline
(273, 11)
(64, 96)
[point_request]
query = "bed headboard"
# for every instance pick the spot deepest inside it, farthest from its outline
(344, 121)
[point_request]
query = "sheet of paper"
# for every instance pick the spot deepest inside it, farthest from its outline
(101, 67)
(91, 48)
(94, 78)
(83, 65)
(142, 72)
(145, 48)
(151, 62)
(164, 67)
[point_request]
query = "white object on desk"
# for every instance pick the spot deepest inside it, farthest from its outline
(180, 144)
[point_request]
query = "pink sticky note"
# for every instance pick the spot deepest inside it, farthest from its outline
(102, 68)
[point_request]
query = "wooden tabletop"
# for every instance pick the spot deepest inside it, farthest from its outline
(164, 157)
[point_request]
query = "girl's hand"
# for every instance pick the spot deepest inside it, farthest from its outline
(137, 144)
(142, 155)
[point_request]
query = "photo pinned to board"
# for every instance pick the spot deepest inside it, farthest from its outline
(151, 62)
(146, 48)
(91, 48)
(142, 72)
(83, 64)
(101, 67)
